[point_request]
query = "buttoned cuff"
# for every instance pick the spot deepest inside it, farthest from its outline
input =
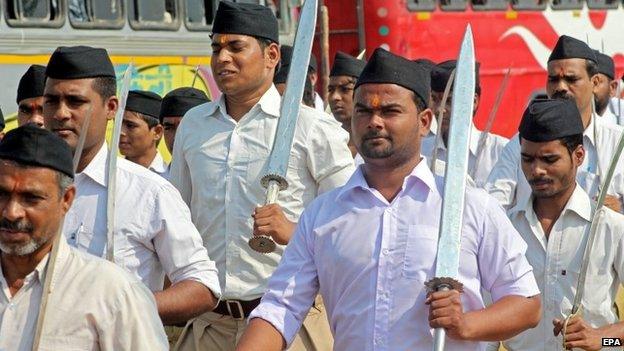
(278, 315)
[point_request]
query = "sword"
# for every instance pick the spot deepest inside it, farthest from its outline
(112, 166)
(593, 228)
(490, 122)
(447, 260)
(438, 137)
(47, 282)
(274, 179)
(360, 56)
(195, 76)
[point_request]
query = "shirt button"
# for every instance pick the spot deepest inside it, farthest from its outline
(385, 252)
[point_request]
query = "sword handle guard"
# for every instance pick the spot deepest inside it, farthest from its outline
(271, 178)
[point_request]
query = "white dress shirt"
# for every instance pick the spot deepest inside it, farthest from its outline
(492, 148)
(94, 305)
(159, 166)
(153, 232)
(509, 186)
(217, 166)
(616, 106)
(556, 262)
(370, 259)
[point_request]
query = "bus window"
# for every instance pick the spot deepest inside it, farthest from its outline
(567, 4)
(153, 14)
(453, 5)
(199, 13)
(489, 5)
(602, 4)
(96, 13)
(528, 4)
(421, 5)
(34, 13)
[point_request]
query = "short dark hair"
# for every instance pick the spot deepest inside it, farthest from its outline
(572, 142)
(105, 86)
(420, 104)
(264, 42)
(592, 68)
(151, 121)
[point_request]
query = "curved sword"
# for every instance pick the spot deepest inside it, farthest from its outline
(449, 242)
(438, 136)
(112, 166)
(275, 178)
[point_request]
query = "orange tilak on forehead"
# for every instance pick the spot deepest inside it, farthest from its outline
(223, 38)
(376, 101)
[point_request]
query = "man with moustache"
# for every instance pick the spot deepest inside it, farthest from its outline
(572, 72)
(174, 106)
(342, 77)
(220, 154)
(480, 162)
(92, 304)
(369, 261)
(141, 132)
(554, 222)
(153, 234)
(30, 96)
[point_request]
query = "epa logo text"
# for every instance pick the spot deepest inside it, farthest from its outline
(611, 342)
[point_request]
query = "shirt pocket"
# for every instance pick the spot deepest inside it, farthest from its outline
(66, 343)
(420, 252)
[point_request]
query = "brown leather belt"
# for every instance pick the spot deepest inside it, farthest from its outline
(236, 309)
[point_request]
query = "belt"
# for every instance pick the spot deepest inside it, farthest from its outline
(236, 309)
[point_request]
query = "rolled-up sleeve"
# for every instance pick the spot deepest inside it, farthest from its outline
(293, 286)
(503, 265)
(329, 159)
(179, 244)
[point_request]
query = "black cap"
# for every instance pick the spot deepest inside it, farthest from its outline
(386, 67)
(568, 48)
(178, 101)
(281, 75)
(144, 102)
(441, 73)
(32, 83)
(247, 19)
(425, 62)
(346, 65)
(546, 120)
(605, 64)
(78, 62)
(286, 52)
(33, 146)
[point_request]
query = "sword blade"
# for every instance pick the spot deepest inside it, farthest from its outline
(447, 261)
(112, 165)
(438, 136)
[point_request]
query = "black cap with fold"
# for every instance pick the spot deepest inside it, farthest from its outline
(78, 62)
(384, 67)
(32, 83)
(144, 102)
(605, 64)
(441, 73)
(568, 48)
(346, 65)
(548, 119)
(178, 101)
(246, 19)
(33, 146)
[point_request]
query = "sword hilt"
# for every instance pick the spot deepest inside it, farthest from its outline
(273, 183)
(442, 284)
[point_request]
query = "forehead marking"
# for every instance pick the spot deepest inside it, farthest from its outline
(376, 101)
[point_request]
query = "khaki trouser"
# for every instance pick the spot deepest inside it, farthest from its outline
(213, 331)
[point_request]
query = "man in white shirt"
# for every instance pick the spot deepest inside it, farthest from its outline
(555, 223)
(370, 260)
(141, 132)
(479, 165)
(221, 152)
(606, 87)
(92, 304)
(571, 75)
(174, 105)
(30, 96)
(153, 234)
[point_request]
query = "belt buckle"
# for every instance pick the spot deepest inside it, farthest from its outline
(239, 309)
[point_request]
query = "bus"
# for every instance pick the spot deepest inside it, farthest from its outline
(168, 41)
(516, 34)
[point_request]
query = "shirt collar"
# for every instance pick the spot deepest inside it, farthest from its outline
(269, 103)
(158, 164)
(96, 169)
(420, 173)
(589, 131)
(475, 134)
(578, 203)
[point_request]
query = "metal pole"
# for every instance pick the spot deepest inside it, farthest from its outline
(360, 25)
(324, 15)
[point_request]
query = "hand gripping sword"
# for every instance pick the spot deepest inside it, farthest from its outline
(112, 166)
(274, 179)
(597, 215)
(449, 242)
